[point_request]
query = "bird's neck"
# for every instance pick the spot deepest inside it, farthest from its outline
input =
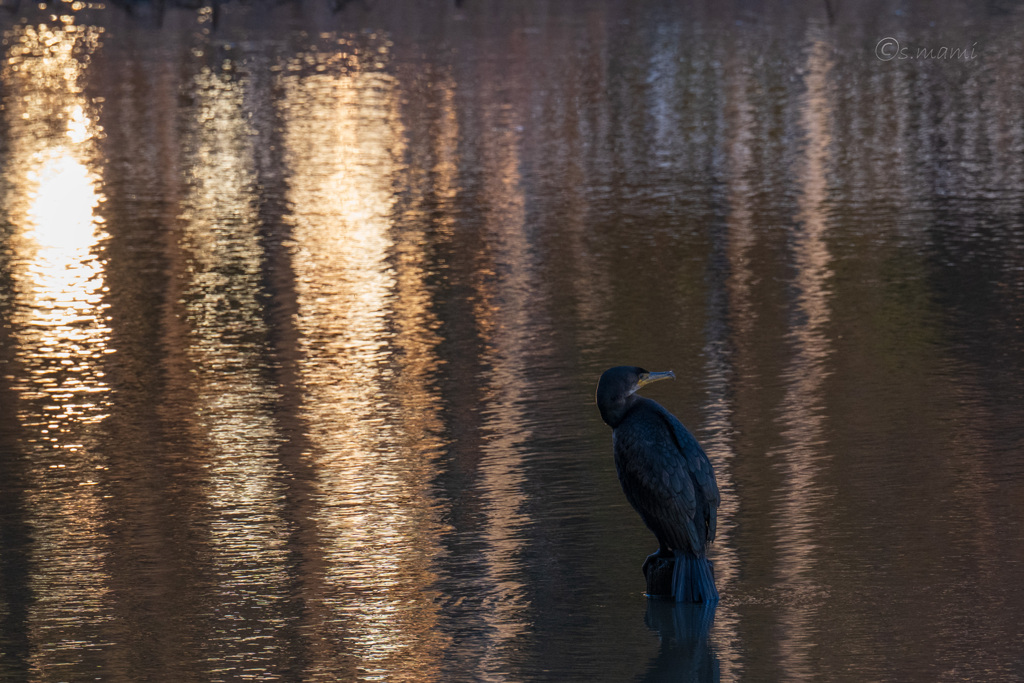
(615, 412)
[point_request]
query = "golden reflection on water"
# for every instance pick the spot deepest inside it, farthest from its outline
(742, 117)
(59, 328)
(503, 313)
(732, 320)
(53, 200)
(344, 142)
(320, 243)
(803, 410)
(223, 346)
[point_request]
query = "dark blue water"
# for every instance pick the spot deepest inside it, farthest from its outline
(302, 309)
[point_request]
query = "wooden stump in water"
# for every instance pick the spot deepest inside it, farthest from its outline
(659, 577)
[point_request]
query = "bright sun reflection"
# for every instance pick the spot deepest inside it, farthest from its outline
(79, 124)
(61, 210)
(64, 280)
(53, 197)
(59, 328)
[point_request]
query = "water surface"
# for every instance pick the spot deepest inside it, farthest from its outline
(302, 307)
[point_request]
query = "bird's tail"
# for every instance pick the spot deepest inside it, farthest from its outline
(693, 579)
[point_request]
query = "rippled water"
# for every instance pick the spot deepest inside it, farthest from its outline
(302, 308)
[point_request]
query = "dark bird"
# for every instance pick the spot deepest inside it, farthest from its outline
(666, 477)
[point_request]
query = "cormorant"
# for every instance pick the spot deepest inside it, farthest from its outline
(666, 477)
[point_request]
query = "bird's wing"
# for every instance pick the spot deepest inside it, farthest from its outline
(660, 487)
(704, 487)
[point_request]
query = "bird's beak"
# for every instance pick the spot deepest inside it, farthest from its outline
(649, 377)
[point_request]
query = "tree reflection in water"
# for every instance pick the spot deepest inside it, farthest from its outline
(301, 308)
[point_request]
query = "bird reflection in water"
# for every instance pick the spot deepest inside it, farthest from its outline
(685, 653)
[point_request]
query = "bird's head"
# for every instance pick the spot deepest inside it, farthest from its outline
(616, 388)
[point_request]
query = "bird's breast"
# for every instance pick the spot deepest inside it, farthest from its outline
(633, 448)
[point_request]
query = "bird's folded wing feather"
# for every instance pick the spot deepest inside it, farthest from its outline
(703, 477)
(661, 487)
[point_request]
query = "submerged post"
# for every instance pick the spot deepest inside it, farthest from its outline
(658, 572)
(682, 578)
